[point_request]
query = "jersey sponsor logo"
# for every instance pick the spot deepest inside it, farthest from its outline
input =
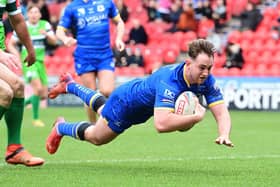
(100, 8)
(90, 10)
(81, 23)
(90, 20)
(81, 11)
(169, 94)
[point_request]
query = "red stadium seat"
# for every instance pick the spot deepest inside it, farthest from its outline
(247, 35)
(234, 72)
(220, 72)
(169, 56)
(234, 37)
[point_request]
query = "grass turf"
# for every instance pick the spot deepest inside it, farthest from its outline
(142, 157)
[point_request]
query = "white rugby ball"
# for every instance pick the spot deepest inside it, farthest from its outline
(185, 103)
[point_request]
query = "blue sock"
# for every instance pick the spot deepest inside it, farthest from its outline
(88, 96)
(69, 129)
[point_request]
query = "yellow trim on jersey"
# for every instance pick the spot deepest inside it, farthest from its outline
(216, 103)
(92, 99)
(61, 28)
(165, 108)
(117, 18)
(185, 78)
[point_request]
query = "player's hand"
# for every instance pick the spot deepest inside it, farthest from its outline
(10, 60)
(199, 110)
(31, 58)
(224, 140)
(120, 44)
(69, 41)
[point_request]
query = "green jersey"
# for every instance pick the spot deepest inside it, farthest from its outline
(38, 39)
(11, 6)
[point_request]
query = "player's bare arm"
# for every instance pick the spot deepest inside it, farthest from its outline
(19, 25)
(61, 35)
(167, 121)
(120, 32)
(223, 120)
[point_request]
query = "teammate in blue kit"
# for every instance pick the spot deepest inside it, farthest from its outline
(136, 101)
(93, 55)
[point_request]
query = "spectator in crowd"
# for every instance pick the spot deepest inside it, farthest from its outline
(219, 14)
(203, 9)
(217, 40)
(276, 30)
(234, 56)
(122, 10)
(175, 12)
(187, 20)
(137, 34)
(163, 9)
(251, 17)
(120, 57)
(136, 59)
(151, 7)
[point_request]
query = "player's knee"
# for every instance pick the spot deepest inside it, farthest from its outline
(6, 96)
(97, 141)
(18, 87)
(106, 92)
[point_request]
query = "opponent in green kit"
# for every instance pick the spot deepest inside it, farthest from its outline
(40, 32)
(12, 87)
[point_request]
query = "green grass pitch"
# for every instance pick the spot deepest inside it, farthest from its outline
(142, 157)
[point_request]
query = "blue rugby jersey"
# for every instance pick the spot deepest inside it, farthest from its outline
(134, 102)
(91, 21)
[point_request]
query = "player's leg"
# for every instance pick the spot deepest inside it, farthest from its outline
(89, 81)
(6, 96)
(106, 82)
(90, 97)
(97, 134)
(38, 91)
(14, 114)
(38, 81)
(15, 153)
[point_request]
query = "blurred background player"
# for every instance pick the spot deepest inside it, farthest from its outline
(136, 101)
(93, 55)
(12, 88)
(41, 33)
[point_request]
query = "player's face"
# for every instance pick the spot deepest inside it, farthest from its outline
(199, 68)
(34, 15)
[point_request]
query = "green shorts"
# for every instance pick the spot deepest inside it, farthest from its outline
(36, 71)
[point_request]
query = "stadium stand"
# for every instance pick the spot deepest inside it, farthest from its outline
(260, 47)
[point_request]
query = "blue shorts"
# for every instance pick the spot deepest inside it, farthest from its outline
(113, 112)
(122, 110)
(85, 64)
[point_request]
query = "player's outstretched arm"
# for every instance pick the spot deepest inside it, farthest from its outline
(19, 25)
(223, 120)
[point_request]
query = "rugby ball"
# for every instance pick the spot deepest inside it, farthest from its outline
(185, 103)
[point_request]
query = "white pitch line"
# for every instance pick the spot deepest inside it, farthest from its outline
(245, 157)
